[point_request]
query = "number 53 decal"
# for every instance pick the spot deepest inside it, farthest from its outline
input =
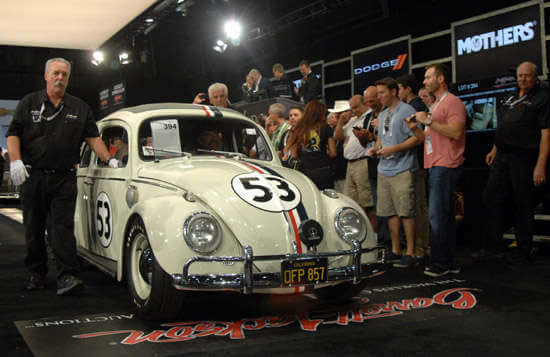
(104, 220)
(266, 192)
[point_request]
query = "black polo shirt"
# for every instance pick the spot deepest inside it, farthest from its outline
(520, 121)
(51, 137)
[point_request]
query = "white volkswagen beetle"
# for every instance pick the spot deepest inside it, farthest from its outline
(201, 202)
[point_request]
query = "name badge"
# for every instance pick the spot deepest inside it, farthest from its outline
(429, 148)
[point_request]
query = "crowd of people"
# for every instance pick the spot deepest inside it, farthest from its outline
(398, 151)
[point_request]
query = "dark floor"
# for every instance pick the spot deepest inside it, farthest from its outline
(507, 314)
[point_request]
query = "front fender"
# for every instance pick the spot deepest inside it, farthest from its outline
(164, 218)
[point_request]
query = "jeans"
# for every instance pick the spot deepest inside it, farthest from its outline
(441, 210)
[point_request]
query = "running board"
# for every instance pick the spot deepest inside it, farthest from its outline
(536, 238)
(104, 264)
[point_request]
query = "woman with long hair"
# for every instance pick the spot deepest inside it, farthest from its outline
(310, 144)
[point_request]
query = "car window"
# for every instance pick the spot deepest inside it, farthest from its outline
(116, 140)
(165, 137)
(85, 155)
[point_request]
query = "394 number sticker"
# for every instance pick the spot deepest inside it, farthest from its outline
(104, 220)
(266, 192)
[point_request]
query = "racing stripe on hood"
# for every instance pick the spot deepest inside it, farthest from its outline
(300, 209)
(293, 217)
(212, 112)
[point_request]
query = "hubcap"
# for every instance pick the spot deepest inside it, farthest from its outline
(141, 266)
(146, 265)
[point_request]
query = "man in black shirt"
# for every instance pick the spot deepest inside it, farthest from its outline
(518, 160)
(310, 88)
(281, 84)
(44, 140)
(408, 89)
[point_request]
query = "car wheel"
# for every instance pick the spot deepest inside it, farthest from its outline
(341, 292)
(149, 285)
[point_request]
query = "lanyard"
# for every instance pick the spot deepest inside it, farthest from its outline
(434, 107)
(40, 116)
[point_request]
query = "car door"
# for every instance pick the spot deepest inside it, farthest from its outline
(82, 221)
(107, 208)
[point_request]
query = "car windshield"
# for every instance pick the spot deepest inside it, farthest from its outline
(168, 137)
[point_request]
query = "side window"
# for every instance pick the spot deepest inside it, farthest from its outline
(116, 140)
(253, 144)
(85, 155)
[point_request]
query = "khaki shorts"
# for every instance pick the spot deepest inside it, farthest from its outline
(357, 183)
(396, 195)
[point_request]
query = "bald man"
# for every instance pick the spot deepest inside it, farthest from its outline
(518, 161)
(357, 184)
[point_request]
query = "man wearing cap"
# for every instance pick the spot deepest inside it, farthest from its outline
(357, 184)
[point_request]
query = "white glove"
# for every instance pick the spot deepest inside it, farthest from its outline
(18, 172)
(113, 163)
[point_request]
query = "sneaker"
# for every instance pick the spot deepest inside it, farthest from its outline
(455, 269)
(36, 282)
(436, 270)
(391, 257)
(406, 261)
(67, 283)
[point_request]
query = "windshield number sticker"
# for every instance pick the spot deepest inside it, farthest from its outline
(266, 192)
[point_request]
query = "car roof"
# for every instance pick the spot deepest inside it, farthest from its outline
(134, 115)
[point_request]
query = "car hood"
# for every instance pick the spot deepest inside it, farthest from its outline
(261, 204)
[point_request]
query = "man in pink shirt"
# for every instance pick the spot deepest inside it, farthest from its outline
(444, 142)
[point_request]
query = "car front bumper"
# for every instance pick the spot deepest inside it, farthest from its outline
(249, 281)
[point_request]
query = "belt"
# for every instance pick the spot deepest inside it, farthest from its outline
(54, 171)
(359, 158)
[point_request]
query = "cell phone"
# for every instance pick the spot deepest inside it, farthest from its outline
(413, 119)
(357, 128)
(204, 98)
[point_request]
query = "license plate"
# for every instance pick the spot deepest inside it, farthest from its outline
(304, 271)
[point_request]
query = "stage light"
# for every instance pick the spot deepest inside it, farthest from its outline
(97, 58)
(125, 57)
(220, 46)
(232, 29)
(149, 20)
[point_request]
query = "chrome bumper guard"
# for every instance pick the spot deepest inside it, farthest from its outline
(248, 281)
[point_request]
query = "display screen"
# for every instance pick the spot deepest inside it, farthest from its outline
(494, 46)
(370, 65)
(483, 99)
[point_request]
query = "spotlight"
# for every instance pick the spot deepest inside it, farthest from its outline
(220, 46)
(97, 58)
(232, 29)
(125, 57)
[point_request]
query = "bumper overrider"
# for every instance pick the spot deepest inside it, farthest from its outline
(249, 280)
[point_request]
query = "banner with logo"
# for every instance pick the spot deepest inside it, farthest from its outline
(112, 99)
(389, 59)
(104, 103)
(493, 45)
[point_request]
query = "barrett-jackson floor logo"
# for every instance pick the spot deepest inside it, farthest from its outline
(457, 298)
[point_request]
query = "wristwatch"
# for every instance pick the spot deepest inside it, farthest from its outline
(429, 120)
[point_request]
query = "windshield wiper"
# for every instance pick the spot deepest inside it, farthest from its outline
(184, 153)
(226, 154)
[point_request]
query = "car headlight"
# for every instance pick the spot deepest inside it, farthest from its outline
(202, 232)
(350, 225)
